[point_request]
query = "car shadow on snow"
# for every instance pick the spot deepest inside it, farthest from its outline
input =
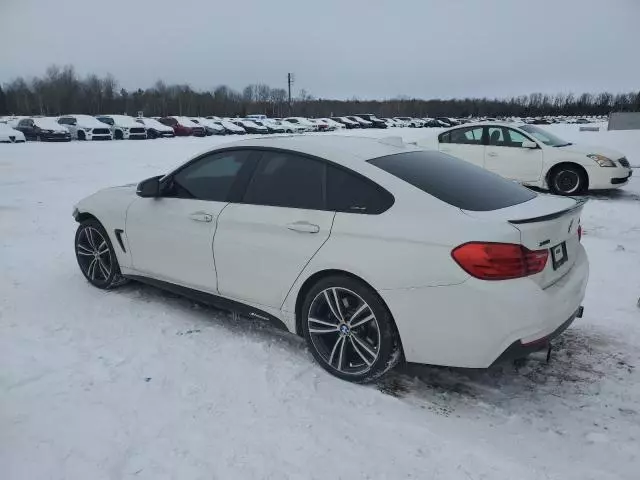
(581, 358)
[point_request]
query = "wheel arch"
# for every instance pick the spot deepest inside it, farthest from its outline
(566, 163)
(319, 275)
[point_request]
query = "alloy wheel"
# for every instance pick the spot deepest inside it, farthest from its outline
(94, 255)
(344, 330)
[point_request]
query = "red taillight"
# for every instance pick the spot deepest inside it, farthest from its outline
(499, 261)
(579, 232)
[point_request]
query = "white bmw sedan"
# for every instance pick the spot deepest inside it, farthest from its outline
(533, 156)
(372, 250)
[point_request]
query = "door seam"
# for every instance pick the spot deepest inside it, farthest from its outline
(309, 261)
(213, 240)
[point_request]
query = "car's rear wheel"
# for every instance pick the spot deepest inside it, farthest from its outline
(349, 330)
(567, 180)
(96, 258)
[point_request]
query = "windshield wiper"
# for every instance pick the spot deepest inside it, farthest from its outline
(564, 145)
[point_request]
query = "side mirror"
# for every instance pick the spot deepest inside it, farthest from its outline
(149, 188)
(529, 144)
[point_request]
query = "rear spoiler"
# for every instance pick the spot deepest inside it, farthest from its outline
(579, 204)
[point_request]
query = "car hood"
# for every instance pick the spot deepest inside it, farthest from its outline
(587, 150)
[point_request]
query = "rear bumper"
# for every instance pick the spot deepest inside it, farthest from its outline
(473, 323)
(521, 350)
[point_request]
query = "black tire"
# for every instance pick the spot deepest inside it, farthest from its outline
(118, 135)
(95, 255)
(568, 180)
(341, 349)
(152, 134)
(81, 135)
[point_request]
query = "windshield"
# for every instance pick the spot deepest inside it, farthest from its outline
(544, 136)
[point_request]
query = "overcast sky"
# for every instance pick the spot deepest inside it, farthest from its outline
(336, 48)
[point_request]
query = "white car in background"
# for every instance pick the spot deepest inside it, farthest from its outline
(211, 127)
(10, 135)
(535, 157)
(291, 127)
(303, 122)
(86, 127)
(410, 122)
(318, 234)
(155, 129)
(333, 124)
(391, 122)
(124, 127)
(229, 126)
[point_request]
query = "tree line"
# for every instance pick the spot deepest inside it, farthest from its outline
(62, 91)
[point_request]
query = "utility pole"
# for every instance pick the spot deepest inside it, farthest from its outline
(290, 80)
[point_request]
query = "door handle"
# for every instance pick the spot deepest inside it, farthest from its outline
(304, 227)
(201, 217)
(492, 154)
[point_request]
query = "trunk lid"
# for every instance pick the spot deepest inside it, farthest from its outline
(546, 222)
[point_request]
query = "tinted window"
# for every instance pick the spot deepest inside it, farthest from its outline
(350, 193)
(445, 137)
(467, 136)
(209, 178)
(287, 180)
(454, 181)
(23, 123)
(67, 121)
(107, 120)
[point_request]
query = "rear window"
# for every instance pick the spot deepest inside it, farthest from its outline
(454, 181)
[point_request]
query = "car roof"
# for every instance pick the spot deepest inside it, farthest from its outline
(345, 150)
(488, 124)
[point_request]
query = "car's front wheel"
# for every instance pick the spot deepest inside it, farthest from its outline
(96, 257)
(349, 329)
(567, 180)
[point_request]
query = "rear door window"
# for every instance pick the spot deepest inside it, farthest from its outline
(454, 181)
(284, 179)
(467, 136)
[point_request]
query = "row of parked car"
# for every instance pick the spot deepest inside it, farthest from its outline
(123, 127)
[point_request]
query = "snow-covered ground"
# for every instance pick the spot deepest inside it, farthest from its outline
(137, 383)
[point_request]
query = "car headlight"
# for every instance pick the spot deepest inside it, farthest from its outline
(602, 160)
(88, 130)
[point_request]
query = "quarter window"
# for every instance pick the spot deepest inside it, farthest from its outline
(209, 178)
(350, 193)
(285, 179)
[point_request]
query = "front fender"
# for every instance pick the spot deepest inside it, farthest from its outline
(110, 207)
